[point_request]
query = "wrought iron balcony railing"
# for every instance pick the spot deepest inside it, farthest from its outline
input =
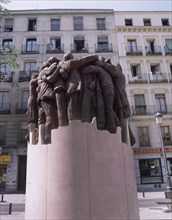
(103, 47)
(79, 48)
(153, 50)
(158, 77)
(134, 50)
(139, 78)
(27, 49)
(51, 49)
(168, 51)
(149, 78)
(6, 77)
(25, 76)
(6, 49)
(151, 109)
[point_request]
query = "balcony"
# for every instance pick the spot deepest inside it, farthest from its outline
(168, 51)
(134, 51)
(139, 78)
(149, 78)
(25, 76)
(103, 48)
(79, 48)
(21, 108)
(51, 49)
(151, 110)
(6, 77)
(153, 51)
(158, 77)
(34, 49)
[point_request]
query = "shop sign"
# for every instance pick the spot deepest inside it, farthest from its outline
(5, 159)
(151, 150)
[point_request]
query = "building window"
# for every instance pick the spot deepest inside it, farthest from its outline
(150, 171)
(55, 43)
(4, 102)
(31, 45)
(150, 49)
(165, 130)
(8, 43)
(165, 22)
(160, 103)
(78, 23)
(29, 67)
(5, 72)
(25, 95)
(155, 69)
(32, 24)
(23, 131)
(132, 46)
(140, 105)
(128, 22)
(135, 70)
(168, 46)
(169, 164)
(143, 137)
(103, 44)
(55, 24)
(79, 44)
(101, 24)
(9, 22)
(147, 22)
(2, 134)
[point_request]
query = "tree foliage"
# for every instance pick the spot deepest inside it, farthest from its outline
(7, 55)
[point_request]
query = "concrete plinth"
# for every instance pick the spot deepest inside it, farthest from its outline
(84, 174)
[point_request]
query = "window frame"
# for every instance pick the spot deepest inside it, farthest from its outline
(150, 170)
(78, 23)
(128, 22)
(55, 26)
(143, 134)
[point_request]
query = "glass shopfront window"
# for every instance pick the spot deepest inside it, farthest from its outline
(150, 171)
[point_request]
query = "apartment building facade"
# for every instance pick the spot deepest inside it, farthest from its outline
(37, 35)
(143, 51)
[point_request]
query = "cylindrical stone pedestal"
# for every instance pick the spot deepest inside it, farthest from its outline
(84, 174)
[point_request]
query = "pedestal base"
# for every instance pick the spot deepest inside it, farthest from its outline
(85, 174)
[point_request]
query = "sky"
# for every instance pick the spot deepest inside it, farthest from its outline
(117, 5)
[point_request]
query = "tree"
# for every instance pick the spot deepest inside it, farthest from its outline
(7, 55)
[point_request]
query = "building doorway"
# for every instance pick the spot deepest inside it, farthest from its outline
(22, 173)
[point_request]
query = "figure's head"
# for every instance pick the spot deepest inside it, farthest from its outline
(68, 56)
(44, 65)
(102, 59)
(108, 61)
(53, 60)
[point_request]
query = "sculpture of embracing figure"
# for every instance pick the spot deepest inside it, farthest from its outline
(79, 89)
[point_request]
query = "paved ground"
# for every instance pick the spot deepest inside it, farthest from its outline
(148, 208)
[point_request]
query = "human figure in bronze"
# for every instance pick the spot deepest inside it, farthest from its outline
(46, 100)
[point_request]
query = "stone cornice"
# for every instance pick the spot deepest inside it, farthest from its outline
(144, 29)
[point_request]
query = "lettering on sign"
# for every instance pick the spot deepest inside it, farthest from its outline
(151, 150)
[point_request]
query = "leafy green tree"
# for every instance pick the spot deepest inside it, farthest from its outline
(7, 55)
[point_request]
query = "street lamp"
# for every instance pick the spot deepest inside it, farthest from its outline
(159, 122)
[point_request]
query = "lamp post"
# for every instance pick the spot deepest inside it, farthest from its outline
(159, 122)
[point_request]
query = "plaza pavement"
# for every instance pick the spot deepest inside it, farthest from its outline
(148, 208)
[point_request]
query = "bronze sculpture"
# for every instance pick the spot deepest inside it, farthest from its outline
(81, 89)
